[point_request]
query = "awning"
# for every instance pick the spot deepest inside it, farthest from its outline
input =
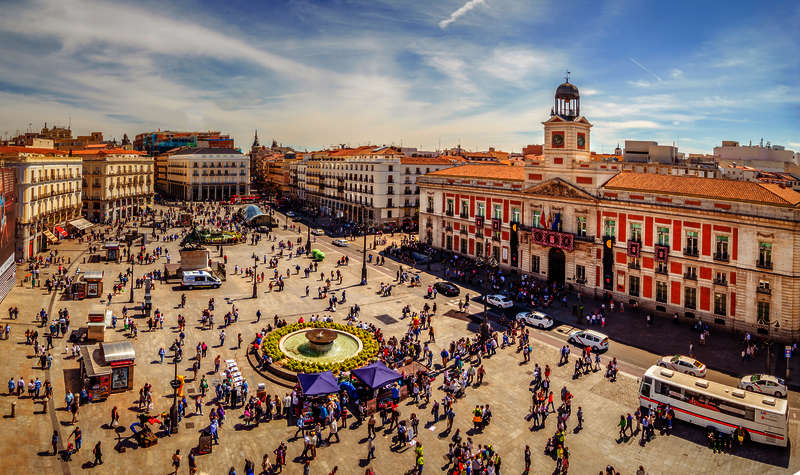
(59, 230)
(376, 375)
(50, 236)
(318, 384)
(118, 351)
(80, 224)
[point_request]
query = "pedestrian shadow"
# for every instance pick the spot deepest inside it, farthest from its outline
(44, 453)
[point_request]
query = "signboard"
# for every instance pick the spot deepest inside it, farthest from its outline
(662, 252)
(544, 237)
(8, 213)
(495, 224)
(634, 249)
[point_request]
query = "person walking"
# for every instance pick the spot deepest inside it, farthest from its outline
(622, 426)
(527, 459)
(192, 464)
(98, 455)
(580, 418)
(54, 442)
(370, 449)
(176, 461)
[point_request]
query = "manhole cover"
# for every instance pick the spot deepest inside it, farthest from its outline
(386, 319)
(190, 425)
(191, 390)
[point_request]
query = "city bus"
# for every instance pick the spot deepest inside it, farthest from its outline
(765, 419)
(236, 199)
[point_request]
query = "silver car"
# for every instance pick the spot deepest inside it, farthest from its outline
(536, 319)
(764, 384)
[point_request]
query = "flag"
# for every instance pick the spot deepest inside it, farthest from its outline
(556, 221)
(542, 223)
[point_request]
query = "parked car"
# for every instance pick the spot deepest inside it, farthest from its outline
(764, 384)
(683, 364)
(499, 301)
(595, 340)
(317, 232)
(341, 242)
(446, 288)
(536, 319)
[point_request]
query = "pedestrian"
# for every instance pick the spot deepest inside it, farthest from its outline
(176, 460)
(54, 442)
(622, 426)
(370, 448)
(527, 459)
(580, 418)
(193, 464)
(98, 455)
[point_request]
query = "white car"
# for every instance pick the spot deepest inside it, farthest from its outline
(536, 319)
(595, 340)
(683, 364)
(764, 384)
(499, 301)
(341, 242)
(317, 232)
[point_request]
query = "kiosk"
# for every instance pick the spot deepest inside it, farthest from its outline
(112, 250)
(99, 319)
(107, 368)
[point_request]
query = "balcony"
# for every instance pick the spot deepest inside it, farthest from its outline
(464, 215)
(690, 275)
(722, 282)
(634, 266)
(764, 264)
(721, 256)
(764, 290)
(449, 212)
(583, 237)
(429, 210)
(691, 251)
(662, 270)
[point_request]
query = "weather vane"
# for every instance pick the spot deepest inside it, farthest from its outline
(566, 78)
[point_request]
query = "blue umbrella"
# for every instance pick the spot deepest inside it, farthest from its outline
(318, 384)
(376, 375)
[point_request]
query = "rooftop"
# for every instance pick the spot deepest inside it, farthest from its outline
(425, 161)
(209, 151)
(711, 188)
(13, 149)
(492, 172)
(106, 151)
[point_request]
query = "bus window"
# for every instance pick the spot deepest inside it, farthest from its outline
(645, 389)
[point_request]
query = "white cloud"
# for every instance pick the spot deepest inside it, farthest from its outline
(640, 83)
(460, 12)
(676, 73)
(521, 64)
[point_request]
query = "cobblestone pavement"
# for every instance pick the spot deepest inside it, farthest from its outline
(26, 438)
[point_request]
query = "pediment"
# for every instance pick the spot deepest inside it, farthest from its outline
(558, 188)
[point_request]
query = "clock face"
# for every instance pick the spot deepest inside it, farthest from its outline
(558, 139)
(581, 140)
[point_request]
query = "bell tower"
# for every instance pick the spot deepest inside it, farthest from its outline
(566, 132)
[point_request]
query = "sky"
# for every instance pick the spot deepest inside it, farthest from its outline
(426, 74)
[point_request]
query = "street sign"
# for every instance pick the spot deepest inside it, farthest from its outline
(788, 351)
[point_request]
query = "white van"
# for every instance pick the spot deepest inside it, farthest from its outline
(200, 278)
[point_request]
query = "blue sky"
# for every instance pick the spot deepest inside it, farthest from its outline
(422, 73)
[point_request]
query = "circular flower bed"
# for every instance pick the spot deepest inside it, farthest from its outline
(271, 347)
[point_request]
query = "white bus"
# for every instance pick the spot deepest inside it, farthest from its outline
(709, 404)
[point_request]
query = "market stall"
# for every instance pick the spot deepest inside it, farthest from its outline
(100, 318)
(379, 381)
(93, 280)
(107, 368)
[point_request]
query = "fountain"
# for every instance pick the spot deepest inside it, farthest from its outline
(320, 345)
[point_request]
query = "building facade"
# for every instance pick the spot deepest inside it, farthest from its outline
(723, 251)
(117, 183)
(48, 187)
(162, 141)
(208, 174)
(369, 185)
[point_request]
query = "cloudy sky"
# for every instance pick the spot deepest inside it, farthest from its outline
(422, 73)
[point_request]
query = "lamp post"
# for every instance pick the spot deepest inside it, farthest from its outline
(488, 263)
(130, 242)
(364, 260)
(308, 240)
(255, 276)
(173, 416)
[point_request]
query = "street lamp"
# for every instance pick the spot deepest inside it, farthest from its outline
(130, 242)
(255, 276)
(173, 416)
(489, 263)
(308, 240)
(364, 260)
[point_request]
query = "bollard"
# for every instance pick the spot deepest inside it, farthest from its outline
(13, 408)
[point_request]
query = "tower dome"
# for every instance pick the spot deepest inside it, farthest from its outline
(567, 101)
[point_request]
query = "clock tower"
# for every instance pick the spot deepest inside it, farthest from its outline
(566, 132)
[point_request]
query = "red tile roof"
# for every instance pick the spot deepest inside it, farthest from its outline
(491, 172)
(425, 161)
(107, 151)
(710, 188)
(10, 149)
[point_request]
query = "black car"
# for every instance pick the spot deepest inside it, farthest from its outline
(446, 288)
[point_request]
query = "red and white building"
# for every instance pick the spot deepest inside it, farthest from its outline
(725, 251)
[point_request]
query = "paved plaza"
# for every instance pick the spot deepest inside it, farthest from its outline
(26, 438)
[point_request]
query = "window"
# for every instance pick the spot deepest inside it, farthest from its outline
(636, 232)
(720, 303)
(765, 255)
(496, 253)
(633, 263)
(478, 249)
(448, 240)
(610, 228)
(721, 253)
(497, 212)
(580, 274)
(661, 292)
(580, 223)
(763, 312)
(721, 278)
(463, 246)
(537, 219)
(465, 209)
(535, 263)
(691, 273)
(663, 236)
(391, 169)
(691, 243)
(764, 287)
(481, 210)
(633, 286)
(515, 215)
(449, 208)
(661, 268)
(690, 297)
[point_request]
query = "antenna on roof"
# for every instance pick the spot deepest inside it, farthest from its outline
(566, 78)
